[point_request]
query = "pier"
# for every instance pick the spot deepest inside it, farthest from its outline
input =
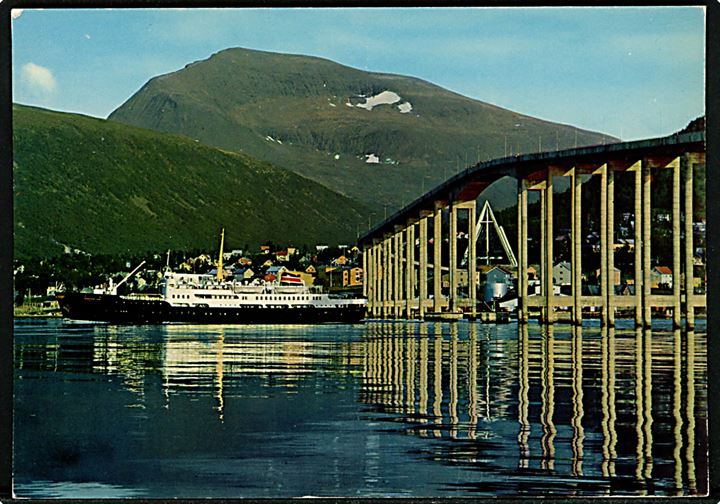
(419, 278)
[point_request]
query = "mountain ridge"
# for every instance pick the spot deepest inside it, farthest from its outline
(313, 116)
(103, 187)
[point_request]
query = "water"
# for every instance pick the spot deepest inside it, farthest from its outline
(380, 409)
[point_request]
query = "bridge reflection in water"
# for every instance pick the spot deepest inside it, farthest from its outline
(586, 405)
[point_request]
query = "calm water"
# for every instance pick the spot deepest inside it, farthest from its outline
(380, 409)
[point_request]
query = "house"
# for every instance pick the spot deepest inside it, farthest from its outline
(532, 273)
(52, 290)
(462, 277)
(626, 289)
(661, 276)
(245, 274)
(267, 264)
(311, 270)
(233, 253)
(624, 243)
(352, 277)
(282, 256)
(273, 273)
(562, 273)
(498, 274)
(615, 280)
(340, 261)
(264, 249)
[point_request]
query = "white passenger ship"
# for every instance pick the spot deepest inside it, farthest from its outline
(205, 298)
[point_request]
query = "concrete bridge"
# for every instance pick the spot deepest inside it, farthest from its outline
(397, 265)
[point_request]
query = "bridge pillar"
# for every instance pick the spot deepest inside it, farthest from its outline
(677, 316)
(376, 278)
(547, 247)
(646, 244)
(543, 252)
(576, 246)
(522, 251)
(397, 272)
(604, 273)
(453, 296)
(388, 277)
(472, 259)
(437, 260)
(367, 278)
(638, 245)
(689, 283)
(409, 269)
(366, 252)
(610, 300)
(423, 263)
(380, 291)
(382, 273)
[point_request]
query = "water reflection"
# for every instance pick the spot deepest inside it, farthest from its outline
(476, 409)
(581, 400)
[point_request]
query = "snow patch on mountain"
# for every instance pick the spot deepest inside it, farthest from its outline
(405, 107)
(384, 98)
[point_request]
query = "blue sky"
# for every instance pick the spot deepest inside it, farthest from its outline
(629, 72)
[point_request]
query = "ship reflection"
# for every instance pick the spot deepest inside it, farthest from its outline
(590, 405)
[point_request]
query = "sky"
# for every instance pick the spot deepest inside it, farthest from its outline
(628, 72)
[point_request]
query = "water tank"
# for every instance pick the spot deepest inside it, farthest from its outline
(495, 290)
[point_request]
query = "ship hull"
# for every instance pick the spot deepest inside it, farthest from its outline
(116, 309)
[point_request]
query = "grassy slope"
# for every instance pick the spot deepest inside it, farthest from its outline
(101, 186)
(237, 97)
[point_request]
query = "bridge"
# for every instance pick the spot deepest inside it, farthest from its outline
(404, 275)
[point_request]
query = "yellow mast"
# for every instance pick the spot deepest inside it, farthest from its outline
(220, 257)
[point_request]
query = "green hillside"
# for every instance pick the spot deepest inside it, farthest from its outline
(306, 114)
(104, 187)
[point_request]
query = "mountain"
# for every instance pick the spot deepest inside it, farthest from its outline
(104, 187)
(382, 139)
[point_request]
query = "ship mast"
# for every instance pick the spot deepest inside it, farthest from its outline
(220, 257)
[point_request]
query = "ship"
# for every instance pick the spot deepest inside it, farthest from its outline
(213, 299)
